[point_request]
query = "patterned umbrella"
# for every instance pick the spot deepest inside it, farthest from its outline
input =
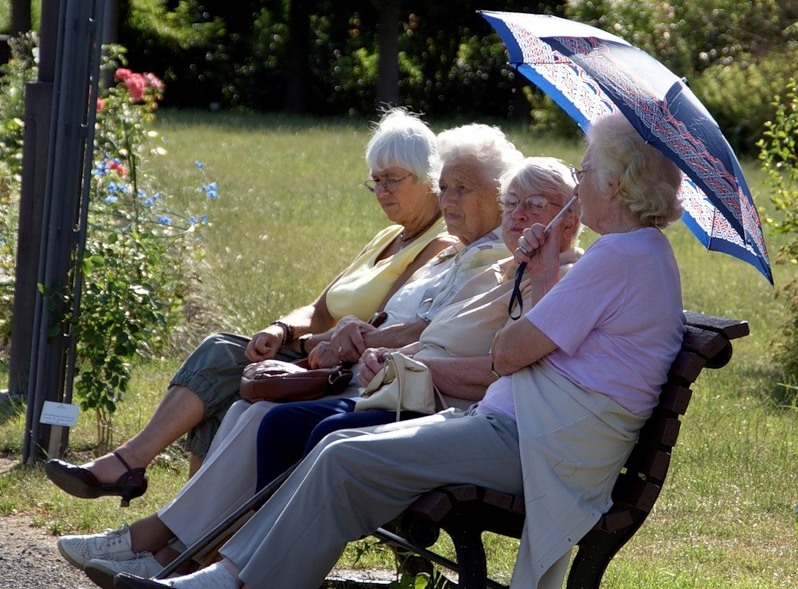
(591, 73)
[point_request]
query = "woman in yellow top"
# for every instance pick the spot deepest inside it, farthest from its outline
(405, 167)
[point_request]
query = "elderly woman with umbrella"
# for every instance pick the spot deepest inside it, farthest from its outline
(575, 389)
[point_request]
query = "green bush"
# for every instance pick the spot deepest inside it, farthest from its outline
(447, 66)
(740, 94)
(779, 157)
(135, 270)
(187, 47)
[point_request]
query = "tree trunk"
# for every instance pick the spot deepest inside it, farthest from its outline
(297, 58)
(20, 16)
(388, 64)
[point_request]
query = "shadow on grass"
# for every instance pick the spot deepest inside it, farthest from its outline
(778, 389)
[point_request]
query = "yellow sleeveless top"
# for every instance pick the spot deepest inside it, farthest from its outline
(365, 283)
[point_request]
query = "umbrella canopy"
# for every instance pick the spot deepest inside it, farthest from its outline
(591, 73)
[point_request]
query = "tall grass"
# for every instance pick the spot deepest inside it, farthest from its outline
(292, 212)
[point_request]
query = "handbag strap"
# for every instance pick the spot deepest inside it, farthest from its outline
(400, 376)
(338, 372)
(440, 397)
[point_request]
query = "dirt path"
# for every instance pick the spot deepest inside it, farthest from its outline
(28, 555)
(29, 558)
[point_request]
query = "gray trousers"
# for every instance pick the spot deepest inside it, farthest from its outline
(213, 372)
(356, 480)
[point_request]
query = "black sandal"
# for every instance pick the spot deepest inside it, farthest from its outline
(81, 482)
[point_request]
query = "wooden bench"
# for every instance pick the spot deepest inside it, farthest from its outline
(464, 512)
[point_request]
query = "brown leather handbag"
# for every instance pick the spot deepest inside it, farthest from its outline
(278, 381)
(275, 380)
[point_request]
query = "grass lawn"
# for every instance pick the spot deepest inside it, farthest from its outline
(291, 212)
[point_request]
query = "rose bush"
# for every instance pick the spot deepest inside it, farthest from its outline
(139, 254)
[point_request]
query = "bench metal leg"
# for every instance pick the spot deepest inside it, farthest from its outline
(590, 563)
(467, 541)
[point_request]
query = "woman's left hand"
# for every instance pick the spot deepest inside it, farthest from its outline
(371, 362)
(347, 339)
(323, 356)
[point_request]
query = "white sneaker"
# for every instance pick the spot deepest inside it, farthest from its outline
(102, 572)
(109, 545)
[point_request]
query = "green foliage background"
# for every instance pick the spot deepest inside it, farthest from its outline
(735, 54)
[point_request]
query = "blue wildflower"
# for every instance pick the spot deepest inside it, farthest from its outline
(200, 165)
(111, 199)
(164, 220)
(211, 190)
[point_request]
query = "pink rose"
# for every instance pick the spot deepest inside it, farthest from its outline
(136, 85)
(122, 73)
(100, 104)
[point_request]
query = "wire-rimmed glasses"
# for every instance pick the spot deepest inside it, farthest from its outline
(388, 184)
(534, 204)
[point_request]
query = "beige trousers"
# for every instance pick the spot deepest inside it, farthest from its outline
(227, 478)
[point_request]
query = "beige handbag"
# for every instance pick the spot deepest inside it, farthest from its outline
(403, 384)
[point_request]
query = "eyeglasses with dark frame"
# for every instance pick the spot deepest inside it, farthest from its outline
(388, 184)
(534, 204)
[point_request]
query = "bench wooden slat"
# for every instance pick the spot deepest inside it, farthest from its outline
(650, 462)
(675, 398)
(498, 499)
(616, 518)
(701, 341)
(636, 493)
(686, 367)
(730, 328)
(664, 430)
(434, 505)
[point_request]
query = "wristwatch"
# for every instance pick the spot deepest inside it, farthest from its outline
(302, 340)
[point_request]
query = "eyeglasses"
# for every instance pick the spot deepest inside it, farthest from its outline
(579, 174)
(533, 205)
(388, 184)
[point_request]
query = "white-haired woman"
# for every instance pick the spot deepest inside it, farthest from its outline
(402, 155)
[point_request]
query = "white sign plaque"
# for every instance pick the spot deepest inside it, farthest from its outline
(59, 414)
